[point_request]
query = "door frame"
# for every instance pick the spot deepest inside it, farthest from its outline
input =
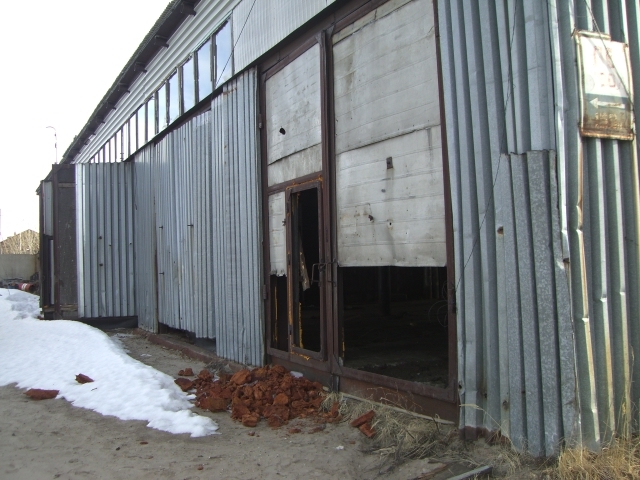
(315, 360)
(337, 17)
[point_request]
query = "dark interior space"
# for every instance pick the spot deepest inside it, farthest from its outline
(305, 252)
(279, 323)
(394, 322)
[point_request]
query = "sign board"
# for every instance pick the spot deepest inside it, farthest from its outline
(606, 92)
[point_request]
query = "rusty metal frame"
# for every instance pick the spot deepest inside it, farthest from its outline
(292, 275)
(411, 395)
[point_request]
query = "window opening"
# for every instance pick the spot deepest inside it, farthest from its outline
(188, 84)
(224, 62)
(125, 141)
(151, 118)
(394, 322)
(205, 84)
(133, 129)
(119, 145)
(162, 108)
(112, 153)
(142, 127)
(174, 97)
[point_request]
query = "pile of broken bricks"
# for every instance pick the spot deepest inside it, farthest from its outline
(269, 392)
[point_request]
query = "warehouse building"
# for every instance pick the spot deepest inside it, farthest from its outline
(427, 202)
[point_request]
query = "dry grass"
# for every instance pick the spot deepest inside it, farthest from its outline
(403, 436)
(620, 458)
(399, 436)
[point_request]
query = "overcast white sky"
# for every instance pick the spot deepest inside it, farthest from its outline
(58, 60)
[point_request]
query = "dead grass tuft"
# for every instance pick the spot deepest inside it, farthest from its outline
(620, 458)
(399, 436)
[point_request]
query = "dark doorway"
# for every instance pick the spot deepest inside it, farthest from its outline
(395, 322)
(306, 268)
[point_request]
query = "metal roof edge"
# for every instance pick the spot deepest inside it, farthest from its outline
(167, 24)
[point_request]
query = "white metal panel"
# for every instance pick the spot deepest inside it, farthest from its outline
(385, 76)
(277, 234)
(293, 106)
(392, 216)
(260, 25)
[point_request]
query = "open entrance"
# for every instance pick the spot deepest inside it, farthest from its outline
(305, 269)
(297, 291)
(395, 322)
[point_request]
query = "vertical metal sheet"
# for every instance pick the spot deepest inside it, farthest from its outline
(237, 231)
(259, 25)
(174, 231)
(145, 240)
(104, 206)
(566, 251)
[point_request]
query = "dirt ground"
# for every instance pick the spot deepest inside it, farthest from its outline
(52, 439)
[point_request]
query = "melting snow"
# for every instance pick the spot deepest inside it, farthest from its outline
(49, 354)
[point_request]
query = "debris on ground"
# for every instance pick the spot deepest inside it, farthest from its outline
(184, 383)
(269, 392)
(187, 372)
(39, 394)
(82, 378)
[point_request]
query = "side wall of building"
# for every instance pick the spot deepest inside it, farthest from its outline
(539, 362)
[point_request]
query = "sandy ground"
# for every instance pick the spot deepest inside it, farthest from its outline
(52, 439)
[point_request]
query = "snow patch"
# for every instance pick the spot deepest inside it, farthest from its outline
(49, 355)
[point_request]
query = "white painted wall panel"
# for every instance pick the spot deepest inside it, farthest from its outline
(277, 234)
(293, 105)
(392, 216)
(296, 165)
(385, 76)
(266, 23)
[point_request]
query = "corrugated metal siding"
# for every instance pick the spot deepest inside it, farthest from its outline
(106, 274)
(145, 240)
(180, 173)
(602, 218)
(510, 85)
(237, 236)
(268, 22)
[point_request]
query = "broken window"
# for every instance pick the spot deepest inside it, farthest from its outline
(394, 322)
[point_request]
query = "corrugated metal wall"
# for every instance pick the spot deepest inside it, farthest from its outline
(237, 230)
(174, 237)
(259, 25)
(603, 230)
(145, 240)
(106, 274)
(510, 85)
